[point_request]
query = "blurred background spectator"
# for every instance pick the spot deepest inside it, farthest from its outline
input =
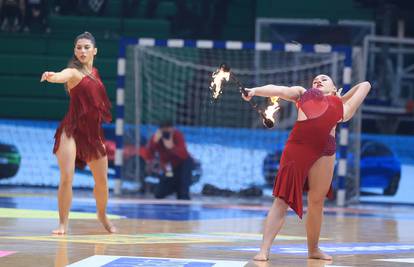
(36, 16)
(12, 14)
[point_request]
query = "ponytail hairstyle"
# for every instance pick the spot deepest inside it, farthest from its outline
(74, 61)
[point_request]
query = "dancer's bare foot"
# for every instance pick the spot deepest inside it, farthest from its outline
(319, 255)
(107, 224)
(61, 230)
(261, 256)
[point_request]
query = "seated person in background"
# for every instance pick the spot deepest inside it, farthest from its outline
(36, 16)
(12, 14)
(175, 161)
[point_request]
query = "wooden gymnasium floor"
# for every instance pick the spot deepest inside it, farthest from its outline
(201, 233)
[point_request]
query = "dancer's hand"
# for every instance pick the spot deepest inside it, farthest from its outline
(46, 75)
(250, 94)
(339, 92)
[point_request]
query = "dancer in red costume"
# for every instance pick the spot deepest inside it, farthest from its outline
(307, 162)
(79, 140)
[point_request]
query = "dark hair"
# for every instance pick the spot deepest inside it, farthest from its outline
(165, 123)
(74, 61)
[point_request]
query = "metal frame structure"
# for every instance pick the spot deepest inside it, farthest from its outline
(311, 22)
(390, 54)
(232, 45)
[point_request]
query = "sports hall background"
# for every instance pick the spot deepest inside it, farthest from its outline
(30, 110)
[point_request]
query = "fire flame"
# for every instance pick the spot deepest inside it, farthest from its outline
(271, 110)
(219, 77)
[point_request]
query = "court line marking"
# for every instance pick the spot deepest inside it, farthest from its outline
(334, 248)
(152, 238)
(47, 214)
(4, 253)
(100, 260)
(404, 260)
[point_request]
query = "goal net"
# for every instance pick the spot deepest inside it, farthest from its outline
(227, 137)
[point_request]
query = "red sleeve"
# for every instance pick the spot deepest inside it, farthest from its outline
(179, 149)
(150, 149)
(144, 153)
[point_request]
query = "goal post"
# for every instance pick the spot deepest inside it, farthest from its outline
(160, 79)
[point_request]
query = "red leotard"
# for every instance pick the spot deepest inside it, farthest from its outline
(308, 141)
(89, 106)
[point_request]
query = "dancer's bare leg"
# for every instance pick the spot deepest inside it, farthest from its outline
(320, 178)
(66, 155)
(99, 170)
(274, 221)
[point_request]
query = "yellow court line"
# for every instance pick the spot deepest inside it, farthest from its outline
(46, 214)
(16, 195)
(152, 238)
(115, 239)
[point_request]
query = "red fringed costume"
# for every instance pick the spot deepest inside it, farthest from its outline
(308, 141)
(89, 106)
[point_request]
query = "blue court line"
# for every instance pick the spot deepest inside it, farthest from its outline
(331, 248)
(175, 212)
(129, 262)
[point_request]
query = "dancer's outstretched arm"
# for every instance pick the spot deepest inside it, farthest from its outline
(291, 93)
(349, 93)
(63, 76)
(354, 99)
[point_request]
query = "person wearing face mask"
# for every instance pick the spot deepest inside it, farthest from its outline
(79, 139)
(175, 162)
(307, 161)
